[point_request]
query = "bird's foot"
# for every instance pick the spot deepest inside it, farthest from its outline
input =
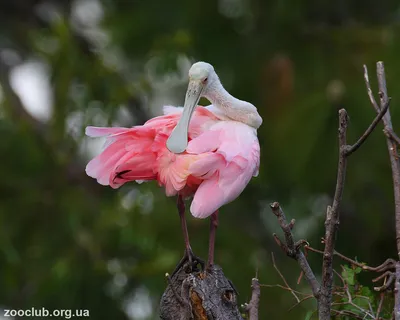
(209, 267)
(190, 261)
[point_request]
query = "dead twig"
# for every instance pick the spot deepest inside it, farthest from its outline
(283, 278)
(351, 314)
(387, 265)
(287, 287)
(392, 142)
(307, 297)
(292, 248)
(397, 292)
(332, 224)
(361, 140)
(379, 310)
(392, 135)
(252, 306)
(389, 278)
(282, 287)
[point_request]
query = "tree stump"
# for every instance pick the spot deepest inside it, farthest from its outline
(193, 294)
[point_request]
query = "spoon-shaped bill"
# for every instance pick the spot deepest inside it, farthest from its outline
(178, 140)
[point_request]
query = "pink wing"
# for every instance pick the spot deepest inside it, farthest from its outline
(122, 146)
(139, 153)
(233, 157)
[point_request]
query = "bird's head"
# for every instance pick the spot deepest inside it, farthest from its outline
(201, 78)
(201, 72)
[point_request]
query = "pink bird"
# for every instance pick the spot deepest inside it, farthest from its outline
(210, 153)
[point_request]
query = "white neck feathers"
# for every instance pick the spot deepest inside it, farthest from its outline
(230, 106)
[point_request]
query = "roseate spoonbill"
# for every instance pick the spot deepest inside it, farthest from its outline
(210, 153)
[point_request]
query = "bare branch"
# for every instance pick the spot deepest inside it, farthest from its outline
(283, 278)
(397, 292)
(351, 314)
(294, 251)
(392, 142)
(389, 278)
(369, 90)
(392, 135)
(302, 300)
(340, 277)
(286, 228)
(252, 306)
(387, 265)
(368, 300)
(383, 275)
(380, 306)
(332, 223)
(383, 95)
(354, 147)
(287, 287)
(284, 288)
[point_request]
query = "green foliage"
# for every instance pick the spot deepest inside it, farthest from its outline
(358, 299)
(309, 315)
(349, 274)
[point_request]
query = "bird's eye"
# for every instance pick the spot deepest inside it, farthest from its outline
(205, 80)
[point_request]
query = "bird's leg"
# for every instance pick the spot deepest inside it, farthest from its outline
(213, 230)
(181, 209)
(189, 255)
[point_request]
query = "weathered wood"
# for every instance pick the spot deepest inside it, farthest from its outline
(193, 294)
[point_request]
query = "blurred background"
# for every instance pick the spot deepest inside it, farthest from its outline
(67, 242)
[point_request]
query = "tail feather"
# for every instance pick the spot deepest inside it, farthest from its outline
(127, 156)
(139, 167)
(96, 132)
(101, 166)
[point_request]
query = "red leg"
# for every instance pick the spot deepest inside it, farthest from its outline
(181, 209)
(189, 255)
(213, 230)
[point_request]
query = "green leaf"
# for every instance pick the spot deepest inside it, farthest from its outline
(361, 302)
(357, 270)
(367, 292)
(308, 315)
(348, 275)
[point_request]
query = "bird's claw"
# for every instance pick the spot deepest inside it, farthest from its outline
(190, 261)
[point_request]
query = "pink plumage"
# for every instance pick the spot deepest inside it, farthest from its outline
(220, 159)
